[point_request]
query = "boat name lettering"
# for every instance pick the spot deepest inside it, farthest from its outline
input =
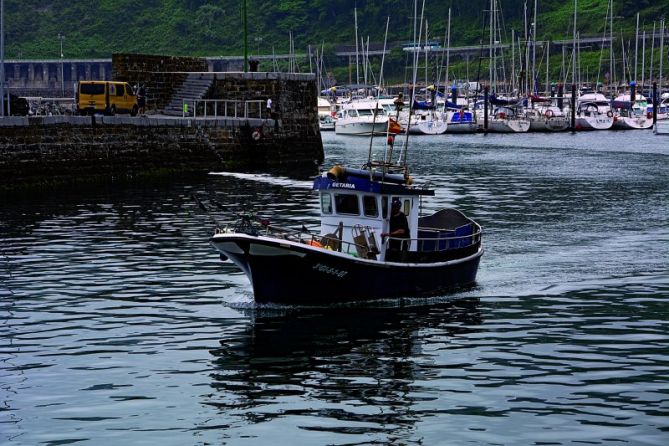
(328, 270)
(344, 185)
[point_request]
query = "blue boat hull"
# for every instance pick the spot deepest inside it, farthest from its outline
(292, 273)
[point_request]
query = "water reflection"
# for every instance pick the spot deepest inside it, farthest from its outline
(347, 370)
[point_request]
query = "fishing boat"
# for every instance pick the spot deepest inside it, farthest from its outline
(352, 258)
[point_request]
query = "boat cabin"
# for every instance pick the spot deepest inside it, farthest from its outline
(355, 208)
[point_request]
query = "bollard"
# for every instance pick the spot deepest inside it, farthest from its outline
(486, 90)
(654, 103)
(573, 107)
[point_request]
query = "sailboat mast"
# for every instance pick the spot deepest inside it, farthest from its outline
(357, 73)
(448, 47)
(573, 54)
(513, 60)
(534, 47)
(643, 61)
(661, 50)
(652, 56)
(611, 68)
(636, 47)
(490, 60)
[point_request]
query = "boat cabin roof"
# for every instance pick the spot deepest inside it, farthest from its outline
(366, 181)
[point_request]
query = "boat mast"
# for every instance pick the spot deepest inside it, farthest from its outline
(357, 73)
(573, 54)
(643, 62)
(661, 50)
(652, 56)
(490, 59)
(636, 47)
(534, 48)
(611, 67)
(448, 54)
(415, 74)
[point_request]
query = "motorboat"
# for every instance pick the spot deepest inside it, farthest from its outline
(326, 121)
(351, 258)
(361, 117)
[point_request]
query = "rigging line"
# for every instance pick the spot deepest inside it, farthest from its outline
(413, 89)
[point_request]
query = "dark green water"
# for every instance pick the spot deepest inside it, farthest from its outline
(120, 325)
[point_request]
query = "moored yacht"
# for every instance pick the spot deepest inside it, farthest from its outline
(630, 112)
(593, 112)
(361, 117)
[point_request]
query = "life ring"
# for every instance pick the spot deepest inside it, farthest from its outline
(256, 135)
(549, 113)
(609, 114)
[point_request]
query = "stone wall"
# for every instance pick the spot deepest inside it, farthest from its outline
(62, 148)
(162, 75)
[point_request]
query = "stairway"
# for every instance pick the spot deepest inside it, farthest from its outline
(195, 86)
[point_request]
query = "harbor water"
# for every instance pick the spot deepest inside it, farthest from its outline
(120, 324)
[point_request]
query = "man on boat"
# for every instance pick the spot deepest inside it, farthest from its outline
(398, 230)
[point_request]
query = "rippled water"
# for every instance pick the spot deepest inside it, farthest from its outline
(120, 325)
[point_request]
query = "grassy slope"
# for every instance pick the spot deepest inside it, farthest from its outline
(99, 28)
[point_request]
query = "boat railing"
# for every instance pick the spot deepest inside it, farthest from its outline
(220, 108)
(329, 241)
(440, 243)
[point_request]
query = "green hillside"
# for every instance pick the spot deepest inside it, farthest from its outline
(99, 28)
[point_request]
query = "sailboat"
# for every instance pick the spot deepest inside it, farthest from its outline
(630, 111)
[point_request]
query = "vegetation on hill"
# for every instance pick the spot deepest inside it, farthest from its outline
(213, 27)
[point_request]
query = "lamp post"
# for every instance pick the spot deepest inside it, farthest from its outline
(62, 66)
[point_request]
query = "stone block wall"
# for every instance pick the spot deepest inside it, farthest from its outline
(44, 150)
(162, 75)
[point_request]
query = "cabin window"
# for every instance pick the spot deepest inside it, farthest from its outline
(128, 90)
(347, 204)
(406, 207)
(326, 203)
(112, 89)
(92, 89)
(370, 206)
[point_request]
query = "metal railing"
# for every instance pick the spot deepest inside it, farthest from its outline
(221, 108)
(436, 244)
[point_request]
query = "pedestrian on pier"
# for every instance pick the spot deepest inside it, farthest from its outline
(269, 107)
(141, 99)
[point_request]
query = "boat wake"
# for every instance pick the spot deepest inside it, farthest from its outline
(267, 179)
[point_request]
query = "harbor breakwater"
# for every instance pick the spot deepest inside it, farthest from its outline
(44, 150)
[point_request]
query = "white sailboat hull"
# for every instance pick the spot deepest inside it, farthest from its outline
(553, 124)
(632, 123)
(428, 127)
(596, 122)
(508, 125)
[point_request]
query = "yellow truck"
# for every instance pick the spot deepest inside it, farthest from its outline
(105, 97)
